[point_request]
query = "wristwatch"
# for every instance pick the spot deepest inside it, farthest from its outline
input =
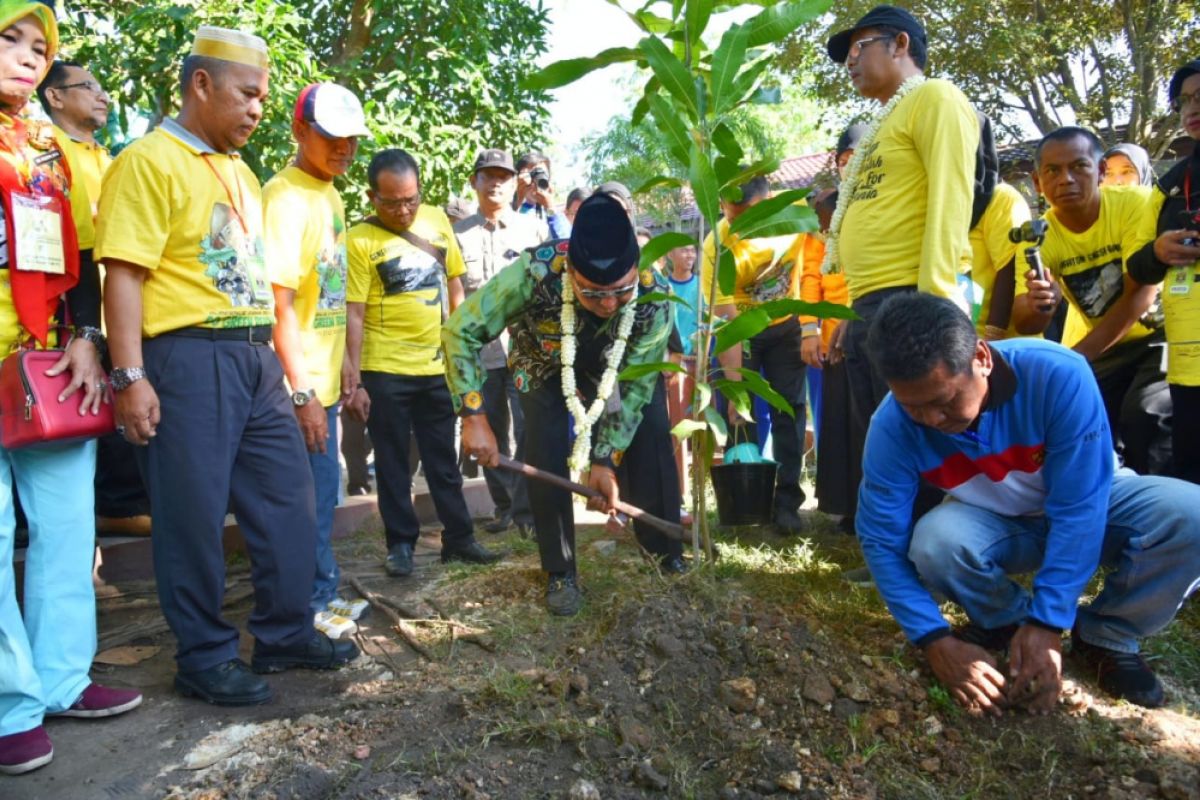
(303, 397)
(122, 378)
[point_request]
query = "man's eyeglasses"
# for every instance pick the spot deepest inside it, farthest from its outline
(91, 86)
(1182, 100)
(603, 294)
(399, 204)
(856, 47)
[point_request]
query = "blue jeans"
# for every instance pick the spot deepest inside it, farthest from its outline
(327, 480)
(45, 657)
(1152, 544)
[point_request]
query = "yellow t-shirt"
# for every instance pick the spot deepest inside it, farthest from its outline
(193, 219)
(304, 228)
(1090, 266)
(908, 219)
(1180, 303)
(402, 322)
(88, 163)
(767, 269)
(991, 249)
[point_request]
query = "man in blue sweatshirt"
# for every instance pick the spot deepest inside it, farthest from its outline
(1016, 434)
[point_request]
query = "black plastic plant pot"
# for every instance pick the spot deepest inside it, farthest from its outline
(745, 492)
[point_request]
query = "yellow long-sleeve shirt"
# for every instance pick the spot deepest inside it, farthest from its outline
(908, 219)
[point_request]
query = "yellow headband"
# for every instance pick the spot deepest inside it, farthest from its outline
(11, 12)
(230, 45)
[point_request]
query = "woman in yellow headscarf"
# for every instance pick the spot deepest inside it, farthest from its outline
(46, 653)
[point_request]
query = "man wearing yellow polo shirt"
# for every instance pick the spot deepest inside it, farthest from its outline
(405, 275)
(305, 225)
(767, 269)
(188, 303)
(1092, 231)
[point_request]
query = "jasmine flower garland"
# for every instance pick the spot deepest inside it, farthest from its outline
(585, 418)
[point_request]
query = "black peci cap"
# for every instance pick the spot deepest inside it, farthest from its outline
(603, 247)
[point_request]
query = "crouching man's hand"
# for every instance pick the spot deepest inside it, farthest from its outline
(969, 673)
(1035, 666)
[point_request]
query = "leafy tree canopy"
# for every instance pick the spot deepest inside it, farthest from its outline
(438, 78)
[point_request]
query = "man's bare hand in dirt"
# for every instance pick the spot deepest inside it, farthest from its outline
(604, 481)
(1035, 666)
(479, 441)
(969, 673)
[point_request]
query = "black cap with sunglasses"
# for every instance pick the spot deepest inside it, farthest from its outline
(838, 45)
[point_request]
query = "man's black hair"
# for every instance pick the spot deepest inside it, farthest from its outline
(916, 48)
(754, 189)
(215, 67)
(1066, 134)
(577, 196)
(532, 159)
(56, 76)
(915, 332)
(391, 160)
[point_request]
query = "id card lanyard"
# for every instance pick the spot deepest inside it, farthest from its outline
(252, 262)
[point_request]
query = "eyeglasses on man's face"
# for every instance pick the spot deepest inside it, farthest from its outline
(1182, 101)
(90, 86)
(604, 294)
(397, 204)
(857, 47)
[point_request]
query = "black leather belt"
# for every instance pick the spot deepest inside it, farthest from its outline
(256, 335)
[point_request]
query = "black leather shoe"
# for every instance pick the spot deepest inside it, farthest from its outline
(399, 563)
(673, 565)
(472, 553)
(563, 598)
(789, 520)
(499, 524)
(319, 652)
(228, 684)
(358, 490)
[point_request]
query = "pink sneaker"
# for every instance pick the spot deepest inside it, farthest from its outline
(25, 752)
(101, 701)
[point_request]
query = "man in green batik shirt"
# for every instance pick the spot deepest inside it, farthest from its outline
(632, 453)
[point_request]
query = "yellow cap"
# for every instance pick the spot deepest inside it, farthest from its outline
(230, 45)
(11, 12)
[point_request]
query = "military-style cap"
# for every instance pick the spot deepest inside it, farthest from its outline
(226, 44)
(499, 159)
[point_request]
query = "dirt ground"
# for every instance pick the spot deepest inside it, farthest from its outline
(766, 674)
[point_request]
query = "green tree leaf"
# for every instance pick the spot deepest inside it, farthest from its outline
(662, 244)
(662, 297)
(656, 181)
(727, 143)
(787, 307)
(704, 186)
(635, 371)
(696, 18)
(775, 23)
(747, 324)
(763, 167)
(764, 209)
(679, 142)
(561, 73)
(727, 61)
(671, 73)
(717, 424)
(726, 271)
(758, 385)
(687, 427)
(785, 222)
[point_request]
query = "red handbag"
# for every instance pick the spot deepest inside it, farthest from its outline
(30, 413)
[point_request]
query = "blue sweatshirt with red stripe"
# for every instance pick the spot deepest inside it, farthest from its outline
(1041, 446)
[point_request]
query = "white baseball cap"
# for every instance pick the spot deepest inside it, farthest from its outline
(333, 110)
